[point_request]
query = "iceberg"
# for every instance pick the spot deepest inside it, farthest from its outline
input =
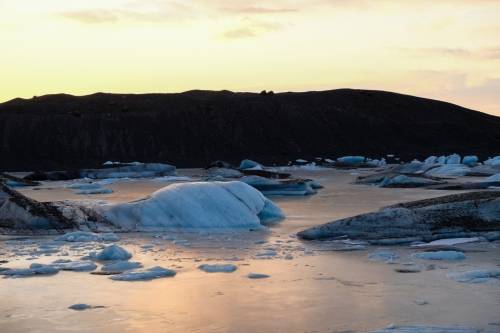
(426, 329)
(85, 236)
(113, 252)
(121, 266)
(257, 276)
(34, 269)
(440, 255)
(470, 214)
(493, 161)
(475, 276)
(449, 170)
(144, 275)
(249, 164)
(470, 160)
(195, 205)
(493, 178)
(453, 159)
(351, 160)
(77, 266)
(218, 268)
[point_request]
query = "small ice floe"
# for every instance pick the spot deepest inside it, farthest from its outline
(172, 179)
(493, 161)
(82, 306)
(85, 236)
(475, 276)
(77, 266)
(449, 242)
(440, 255)
(351, 160)
(449, 170)
(392, 328)
(386, 256)
(121, 266)
(249, 164)
(470, 160)
(89, 188)
(408, 269)
(257, 276)
(420, 302)
(113, 252)
(218, 268)
(267, 253)
(144, 275)
(493, 178)
(34, 269)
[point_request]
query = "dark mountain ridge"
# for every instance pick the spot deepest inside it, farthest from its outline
(196, 127)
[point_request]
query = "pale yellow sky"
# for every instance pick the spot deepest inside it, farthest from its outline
(448, 49)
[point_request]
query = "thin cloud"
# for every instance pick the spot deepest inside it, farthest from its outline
(258, 10)
(140, 11)
(252, 28)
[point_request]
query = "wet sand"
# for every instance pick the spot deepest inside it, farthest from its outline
(310, 289)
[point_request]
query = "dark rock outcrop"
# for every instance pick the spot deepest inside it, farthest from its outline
(64, 132)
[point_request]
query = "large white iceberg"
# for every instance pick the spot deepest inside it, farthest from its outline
(195, 205)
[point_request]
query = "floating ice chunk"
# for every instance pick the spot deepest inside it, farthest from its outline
(34, 269)
(430, 160)
(453, 159)
(258, 180)
(224, 173)
(440, 255)
(257, 276)
(430, 329)
(475, 276)
(196, 205)
(351, 160)
(172, 179)
(79, 307)
(77, 266)
(453, 170)
(121, 266)
(493, 178)
(386, 256)
(420, 302)
(113, 252)
(449, 242)
(144, 275)
(405, 181)
(249, 164)
(470, 160)
(131, 170)
(89, 188)
(495, 161)
(99, 190)
(85, 236)
(267, 253)
(218, 268)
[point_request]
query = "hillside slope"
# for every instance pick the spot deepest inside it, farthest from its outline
(196, 127)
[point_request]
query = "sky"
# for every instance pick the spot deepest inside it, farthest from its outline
(442, 49)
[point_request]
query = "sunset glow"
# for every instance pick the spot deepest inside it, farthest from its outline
(448, 50)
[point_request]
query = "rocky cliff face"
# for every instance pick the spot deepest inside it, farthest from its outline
(196, 127)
